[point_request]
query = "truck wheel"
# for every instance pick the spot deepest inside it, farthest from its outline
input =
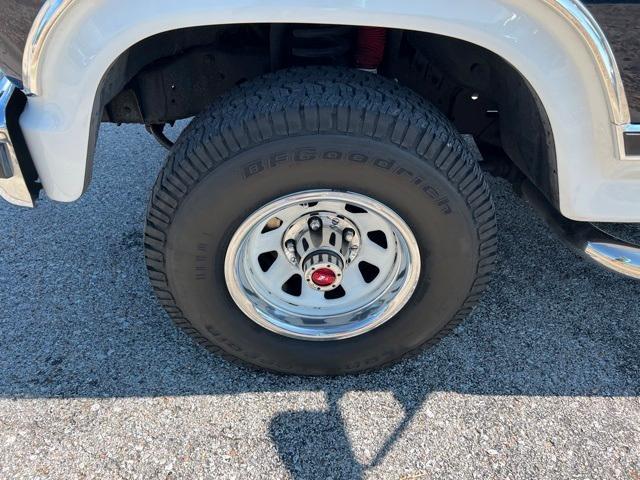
(319, 221)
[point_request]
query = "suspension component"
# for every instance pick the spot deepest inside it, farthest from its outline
(321, 44)
(370, 48)
(157, 130)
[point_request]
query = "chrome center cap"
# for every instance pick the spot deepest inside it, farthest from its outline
(323, 270)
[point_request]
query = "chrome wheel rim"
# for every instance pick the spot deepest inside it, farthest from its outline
(322, 265)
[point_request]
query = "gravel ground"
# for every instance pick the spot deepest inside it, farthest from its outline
(619, 22)
(542, 381)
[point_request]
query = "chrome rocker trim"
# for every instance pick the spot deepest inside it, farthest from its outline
(586, 239)
(13, 186)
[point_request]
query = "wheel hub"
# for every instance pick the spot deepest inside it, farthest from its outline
(324, 232)
(332, 239)
(323, 270)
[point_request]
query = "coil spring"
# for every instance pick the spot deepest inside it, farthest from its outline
(319, 44)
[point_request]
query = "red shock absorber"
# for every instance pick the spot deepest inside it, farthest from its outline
(370, 47)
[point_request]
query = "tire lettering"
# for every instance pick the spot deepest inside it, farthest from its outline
(358, 158)
(253, 168)
(384, 164)
(201, 262)
(401, 171)
(305, 154)
(277, 158)
(431, 192)
(332, 155)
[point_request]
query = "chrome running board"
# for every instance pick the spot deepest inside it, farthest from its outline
(586, 239)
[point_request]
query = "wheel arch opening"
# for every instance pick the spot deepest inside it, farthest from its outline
(178, 73)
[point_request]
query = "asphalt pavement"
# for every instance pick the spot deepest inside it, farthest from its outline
(542, 381)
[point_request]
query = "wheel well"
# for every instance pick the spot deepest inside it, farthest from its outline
(177, 74)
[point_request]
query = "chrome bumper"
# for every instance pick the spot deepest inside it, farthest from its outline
(14, 156)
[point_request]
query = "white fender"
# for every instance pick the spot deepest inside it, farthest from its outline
(555, 44)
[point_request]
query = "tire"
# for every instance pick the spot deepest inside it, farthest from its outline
(303, 130)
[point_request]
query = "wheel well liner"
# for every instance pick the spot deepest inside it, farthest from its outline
(177, 74)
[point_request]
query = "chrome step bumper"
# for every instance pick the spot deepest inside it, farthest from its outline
(586, 239)
(17, 175)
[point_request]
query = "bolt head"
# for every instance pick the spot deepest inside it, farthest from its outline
(315, 224)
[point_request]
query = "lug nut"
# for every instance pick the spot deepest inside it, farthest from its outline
(315, 224)
(348, 235)
(291, 246)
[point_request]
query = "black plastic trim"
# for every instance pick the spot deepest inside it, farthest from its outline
(632, 143)
(14, 110)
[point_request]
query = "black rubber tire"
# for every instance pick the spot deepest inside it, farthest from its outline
(312, 128)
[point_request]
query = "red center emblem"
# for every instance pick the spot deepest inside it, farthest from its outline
(323, 277)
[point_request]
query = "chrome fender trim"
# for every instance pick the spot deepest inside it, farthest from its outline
(577, 15)
(50, 13)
